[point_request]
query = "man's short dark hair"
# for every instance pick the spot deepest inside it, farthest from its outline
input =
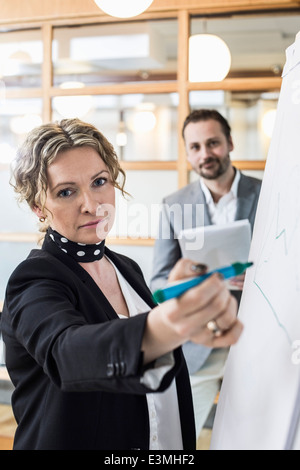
(206, 115)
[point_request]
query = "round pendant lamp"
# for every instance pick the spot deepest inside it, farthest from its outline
(123, 8)
(72, 106)
(268, 122)
(209, 58)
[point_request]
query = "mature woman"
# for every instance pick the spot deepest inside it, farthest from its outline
(95, 363)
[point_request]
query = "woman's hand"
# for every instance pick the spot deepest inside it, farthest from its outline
(209, 301)
(190, 317)
(238, 281)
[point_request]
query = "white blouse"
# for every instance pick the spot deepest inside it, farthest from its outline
(165, 428)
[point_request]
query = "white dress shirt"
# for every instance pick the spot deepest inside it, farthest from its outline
(224, 210)
(165, 427)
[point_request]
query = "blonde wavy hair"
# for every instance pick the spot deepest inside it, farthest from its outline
(42, 145)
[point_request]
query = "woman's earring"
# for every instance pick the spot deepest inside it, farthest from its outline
(42, 219)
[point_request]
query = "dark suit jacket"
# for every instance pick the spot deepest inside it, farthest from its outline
(76, 367)
(188, 205)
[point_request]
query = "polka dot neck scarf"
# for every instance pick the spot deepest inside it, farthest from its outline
(81, 252)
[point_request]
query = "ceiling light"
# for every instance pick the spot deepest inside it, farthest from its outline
(123, 8)
(21, 56)
(268, 122)
(121, 139)
(73, 106)
(13, 64)
(143, 121)
(209, 58)
(24, 124)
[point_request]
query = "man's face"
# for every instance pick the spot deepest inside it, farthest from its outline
(207, 148)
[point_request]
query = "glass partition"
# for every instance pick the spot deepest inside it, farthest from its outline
(21, 58)
(140, 127)
(257, 42)
(115, 53)
(137, 215)
(250, 114)
(17, 118)
(11, 254)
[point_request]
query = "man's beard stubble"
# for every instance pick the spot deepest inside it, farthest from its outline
(222, 167)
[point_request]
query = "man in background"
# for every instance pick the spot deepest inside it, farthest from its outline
(226, 195)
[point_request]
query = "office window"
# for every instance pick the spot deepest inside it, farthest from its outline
(17, 118)
(11, 254)
(137, 214)
(115, 53)
(257, 43)
(21, 61)
(251, 115)
(140, 127)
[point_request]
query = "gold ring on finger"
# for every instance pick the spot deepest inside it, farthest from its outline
(213, 327)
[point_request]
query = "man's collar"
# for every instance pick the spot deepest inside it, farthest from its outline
(235, 183)
(233, 189)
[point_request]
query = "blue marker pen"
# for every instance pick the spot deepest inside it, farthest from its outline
(176, 290)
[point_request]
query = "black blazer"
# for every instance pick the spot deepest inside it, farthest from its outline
(75, 366)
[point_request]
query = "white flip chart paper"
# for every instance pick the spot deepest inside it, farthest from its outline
(259, 394)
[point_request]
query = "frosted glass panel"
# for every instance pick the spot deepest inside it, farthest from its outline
(11, 254)
(21, 55)
(257, 42)
(251, 115)
(14, 217)
(116, 53)
(17, 118)
(137, 216)
(139, 126)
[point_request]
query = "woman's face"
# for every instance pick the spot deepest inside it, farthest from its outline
(80, 203)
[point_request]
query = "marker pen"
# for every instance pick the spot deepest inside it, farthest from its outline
(179, 288)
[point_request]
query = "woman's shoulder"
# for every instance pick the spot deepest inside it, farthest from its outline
(37, 264)
(41, 272)
(37, 256)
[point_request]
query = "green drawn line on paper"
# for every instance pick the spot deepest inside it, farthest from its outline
(283, 233)
(287, 237)
(274, 313)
